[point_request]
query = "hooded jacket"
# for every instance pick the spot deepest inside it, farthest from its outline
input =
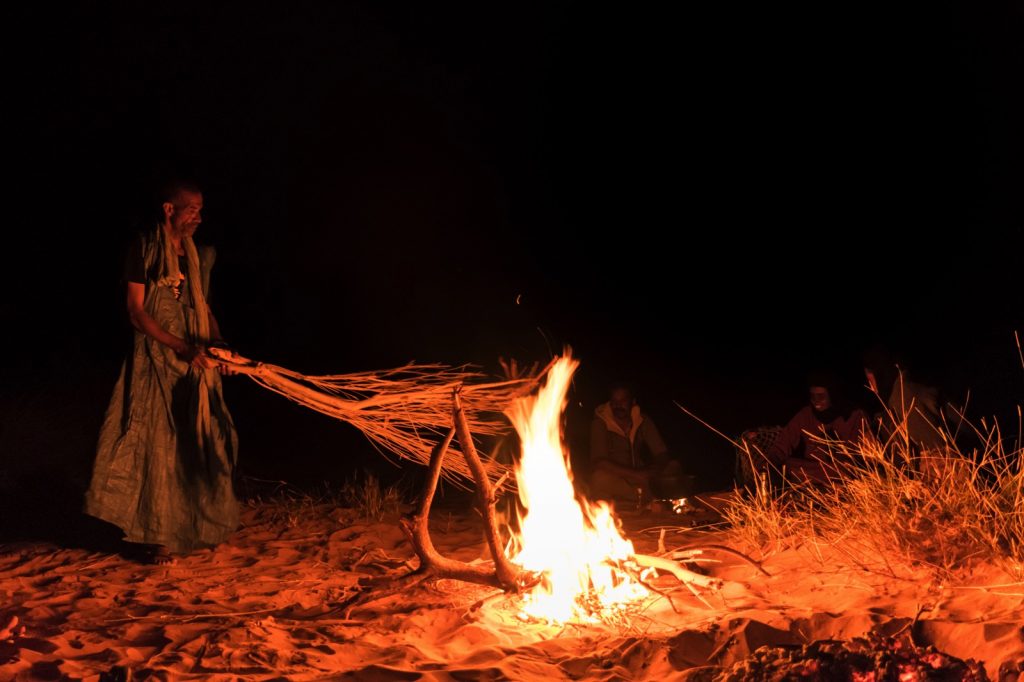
(642, 446)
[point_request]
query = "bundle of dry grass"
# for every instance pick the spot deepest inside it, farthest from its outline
(403, 411)
(888, 505)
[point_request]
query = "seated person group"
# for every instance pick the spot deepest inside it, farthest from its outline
(629, 459)
(822, 434)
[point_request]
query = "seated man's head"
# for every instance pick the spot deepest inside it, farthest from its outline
(823, 390)
(820, 399)
(621, 400)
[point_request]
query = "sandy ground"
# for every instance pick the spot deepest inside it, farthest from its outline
(270, 605)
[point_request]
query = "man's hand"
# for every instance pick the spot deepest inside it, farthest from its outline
(195, 356)
(226, 369)
(220, 353)
(637, 477)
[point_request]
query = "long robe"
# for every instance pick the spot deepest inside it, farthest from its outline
(168, 446)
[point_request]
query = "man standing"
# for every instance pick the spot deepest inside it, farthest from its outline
(167, 447)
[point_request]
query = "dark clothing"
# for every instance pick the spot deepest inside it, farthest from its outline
(167, 448)
(639, 448)
(135, 268)
(921, 406)
(798, 445)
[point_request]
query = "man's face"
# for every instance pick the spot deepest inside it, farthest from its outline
(186, 213)
(820, 399)
(621, 402)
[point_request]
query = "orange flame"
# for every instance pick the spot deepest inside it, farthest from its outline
(574, 544)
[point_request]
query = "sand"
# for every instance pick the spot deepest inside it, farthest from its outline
(273, 603)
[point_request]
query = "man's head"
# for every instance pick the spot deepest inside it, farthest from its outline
(820, 398)
(181, 204)
(823, 389)
(621, 400)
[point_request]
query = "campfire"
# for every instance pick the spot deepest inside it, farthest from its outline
(568, 560)
(574, 545)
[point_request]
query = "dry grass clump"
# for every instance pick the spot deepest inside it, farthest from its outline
(284, 505)
(370, 499)
(888, 504)
(768, 516)
(280, 504)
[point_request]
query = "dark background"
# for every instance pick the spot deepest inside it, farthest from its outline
(709, 202)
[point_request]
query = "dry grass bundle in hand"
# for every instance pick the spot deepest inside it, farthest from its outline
(403, 411)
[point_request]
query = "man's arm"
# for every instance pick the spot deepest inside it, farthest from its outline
(598, 441)
(654, 442)
(787, 442)
(216, 336)
(145, 323)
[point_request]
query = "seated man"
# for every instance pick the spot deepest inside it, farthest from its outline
(919, 406)
(627, 453)
(801, 446)
(916, 417)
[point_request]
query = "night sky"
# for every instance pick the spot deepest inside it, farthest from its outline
(709, 202)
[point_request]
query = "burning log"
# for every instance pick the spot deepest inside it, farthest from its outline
(684, 575)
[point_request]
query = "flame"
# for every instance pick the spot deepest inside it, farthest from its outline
(575, 545)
